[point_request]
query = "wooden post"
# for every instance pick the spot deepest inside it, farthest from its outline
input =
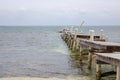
(92, 32)
(98, 71)
(92, 35)
(77, 44)
(70, 42)
(74, 43)
(75, 38)
(89, 60)
(101, 34)
(118, 73)
(81, 48)
(64, 35)
(67, 39)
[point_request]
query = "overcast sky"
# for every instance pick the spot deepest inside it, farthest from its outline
(59, 12)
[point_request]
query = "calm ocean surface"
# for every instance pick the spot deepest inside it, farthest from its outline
(40, 51)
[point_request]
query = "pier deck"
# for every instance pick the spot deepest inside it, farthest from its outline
(100, 45)
(111, 58)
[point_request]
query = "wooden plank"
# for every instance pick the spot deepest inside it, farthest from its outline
(109, 46)
(102, 43)
(87, 36)
(111, 58)
(89, 43)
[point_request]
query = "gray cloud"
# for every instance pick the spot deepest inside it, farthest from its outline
(50, 12)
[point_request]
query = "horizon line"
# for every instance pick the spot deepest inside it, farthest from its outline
(52, 25)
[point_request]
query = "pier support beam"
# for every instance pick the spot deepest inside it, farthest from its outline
(74, 45)
(75, 39)
(71, 43)
(98, 71)
(89, 60)
(77, 44)
(118, 73)
(81, 49)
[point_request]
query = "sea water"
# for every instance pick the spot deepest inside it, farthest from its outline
(39, 51)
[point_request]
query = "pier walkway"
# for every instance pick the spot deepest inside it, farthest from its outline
(100, 45)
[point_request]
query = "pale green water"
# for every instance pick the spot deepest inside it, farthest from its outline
(40, 52)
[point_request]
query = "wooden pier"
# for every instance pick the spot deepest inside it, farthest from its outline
(93, 43)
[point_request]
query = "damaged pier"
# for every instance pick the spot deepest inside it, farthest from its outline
(96, 45)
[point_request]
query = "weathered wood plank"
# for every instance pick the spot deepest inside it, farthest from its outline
(111, 58)
(108, 46)
(87, 36)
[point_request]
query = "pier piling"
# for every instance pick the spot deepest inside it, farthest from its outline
(118, 73)
(90, 55)
(98, 71)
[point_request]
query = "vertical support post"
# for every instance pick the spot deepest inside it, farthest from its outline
(77, 44)
(67, 39)
(64, 37)
(98, 71)
(68, 42)
(81, 48)
(89, 60)
(118, 73)
(71, 42)
(92, 32)
(101, 34)
(74, 43)
(75, 39)
(71, 33)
